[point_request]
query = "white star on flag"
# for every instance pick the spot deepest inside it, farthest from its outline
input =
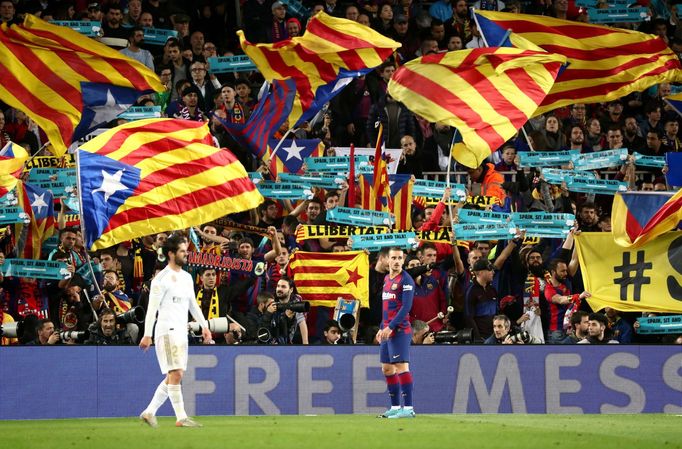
(294, 151)
(38, 202)
(107, 111)
(110, 184)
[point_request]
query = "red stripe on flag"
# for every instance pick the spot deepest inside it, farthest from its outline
(325, 70)
(603, 54)
(448, 100)
(632, 226)
(303, 87)
(316, 283)
(572, 31)
(312, 269)
(32, 102)
(184, 170)
(184, 203)
(324, 257)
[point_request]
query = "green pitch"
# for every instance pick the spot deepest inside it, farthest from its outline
(355, 432)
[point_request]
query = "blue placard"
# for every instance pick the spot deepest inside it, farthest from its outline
(435, 189)
(602, 186)
(85, 27)
(50, 244)
(649, 161)
(255, 176)
(359, 217)
(618, 14)
(374, 242)
(484, 231)
(285, 190)
(73, 204)
(37, 269)
(481, 216)
(557, 176)
(335, 164)
(600, 159)
(550, 233)
(329, 182)
(611, 3)
(296, 8)
(58, 188)
(660, 325)
(526, 220)
(9, 199)
(225, 64)
(158, 36)
(64, 175)
(13, 214)
(141, 112)
(546, 158)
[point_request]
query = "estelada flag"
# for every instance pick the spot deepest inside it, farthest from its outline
(12, 159)
(639, 217)
(322, 278)
(158, 175)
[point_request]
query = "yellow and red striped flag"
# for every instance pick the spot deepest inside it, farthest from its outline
(604, 63)
(400, 195)
(12, 160)
(322, 278)
(66, 82)
(486, 93)
(158, 175)
(330, 53)
(38, 204)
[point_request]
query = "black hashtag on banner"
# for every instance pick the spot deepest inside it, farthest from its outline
(626, 279)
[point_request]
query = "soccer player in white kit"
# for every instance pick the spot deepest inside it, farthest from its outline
(172, 296)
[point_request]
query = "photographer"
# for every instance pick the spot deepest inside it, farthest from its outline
(502, 334)
(289, 322)
(421, 334)
(47, 335)
(260, 318)
(104, 332)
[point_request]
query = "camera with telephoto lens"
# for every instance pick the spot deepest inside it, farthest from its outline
(460, 337)
(215, 325)
(78, 336)
(134, 315)
(298, 307)
(12, 330)
(523, 336)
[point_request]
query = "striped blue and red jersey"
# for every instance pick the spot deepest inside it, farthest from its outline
(397, 298)
(556, 312)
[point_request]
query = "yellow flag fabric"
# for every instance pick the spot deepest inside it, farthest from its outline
(648, 278)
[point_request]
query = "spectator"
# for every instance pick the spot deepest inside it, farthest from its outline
(620, 329)
(293, 27)
(191, 110)
(480, 303)
(104, 331)
(113, 17)
(555, 139)
(331, 332)
(579, 325)
(560, 300)
(277, 31)
(598, 331)
(632, 138)
(207, 87)
(134, 13)
(135, 50)
(484, 180)
(594, 139)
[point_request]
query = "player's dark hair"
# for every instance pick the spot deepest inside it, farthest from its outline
(172, 244)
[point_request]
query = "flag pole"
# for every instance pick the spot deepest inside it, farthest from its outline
(281, 141)
(87, 253)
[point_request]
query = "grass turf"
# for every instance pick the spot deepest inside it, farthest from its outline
(356, 432)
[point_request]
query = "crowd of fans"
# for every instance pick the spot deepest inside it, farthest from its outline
(523, 290)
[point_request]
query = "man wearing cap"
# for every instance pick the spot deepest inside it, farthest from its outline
(278, 28)
(135, 50)
(598, 331)
(480, 303)
(191, 111)
(402, 33)
(95, 12)
(181, 25)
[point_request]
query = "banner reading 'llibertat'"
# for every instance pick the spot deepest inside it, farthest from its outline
(648, 278)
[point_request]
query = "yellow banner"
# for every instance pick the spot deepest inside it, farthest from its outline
(648, 278)
(50, 162)
(307, 232)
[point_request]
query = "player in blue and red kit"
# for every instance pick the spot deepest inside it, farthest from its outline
(396, 334)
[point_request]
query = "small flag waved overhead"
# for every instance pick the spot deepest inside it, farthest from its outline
(12, 159)
(39, 205)
(322, 278)
(291, 154)
(604, 63)
(331, 52)
(639, 217)
(401, 198)
(158, 175)
(272, 110)
(66, 82)
(486, 93)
